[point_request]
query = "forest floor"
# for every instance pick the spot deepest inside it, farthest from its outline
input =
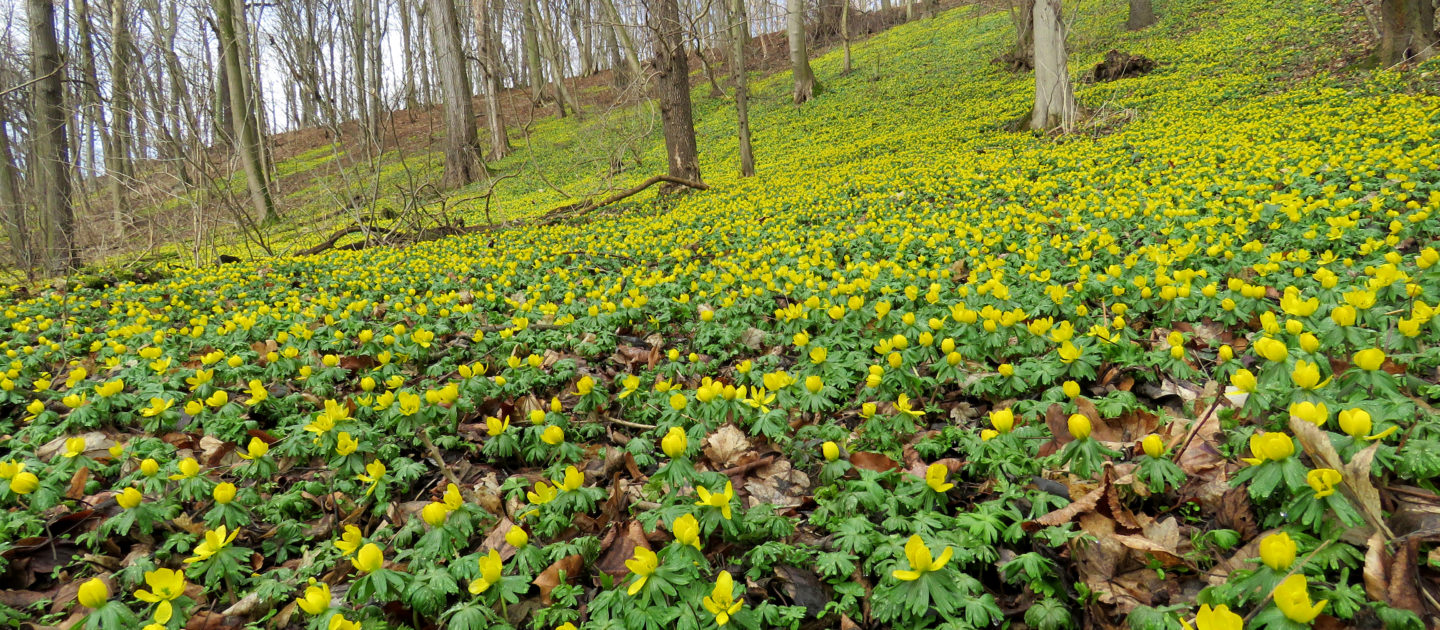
(920, 372)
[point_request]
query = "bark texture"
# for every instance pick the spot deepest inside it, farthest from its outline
(1055, 105)
(462, 146)
(673, 87)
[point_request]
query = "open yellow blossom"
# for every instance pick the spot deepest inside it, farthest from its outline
(935, 478)
(1323, 481)
(491, 568)
(921, 562)
(717, 500)
(573, 480)
(687, 531)
(722, 602)
(165, 585)
(1292, 597)
(350, 540)
(1269, 447)
(316, 599)
(643, 565)
(369, 558)
(1218, 618)
(374, 472)
(215, 541)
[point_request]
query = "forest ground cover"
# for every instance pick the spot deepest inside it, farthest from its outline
(920, 372)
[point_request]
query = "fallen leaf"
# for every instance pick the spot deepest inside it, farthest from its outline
(877, 462)
(726, 445)
(621, 548)
(550, 577)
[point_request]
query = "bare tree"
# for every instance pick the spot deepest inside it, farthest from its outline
(50, 140)
(1055, 105)
(1022, 15)
(1142, 14)
(229, 21)
(739, 36)
(462, 146)
(1407, 31)
(489, 53)
(799, 56)
(673, 87)
(117, 158)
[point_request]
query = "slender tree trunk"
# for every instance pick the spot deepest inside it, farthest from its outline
(1022, 15)
(1407, 31)
(627, 43)
(739, 34)
(488, 52)
(673, 86)
(12, 207)
(51, 153)
(228, 19)
(1142, 14)
(1055, 105)
(90, 89)
(408, 55)
(845, 34)
(462, 146)
(799, 56)
(552, 53)
(532, 52)
(117, 160)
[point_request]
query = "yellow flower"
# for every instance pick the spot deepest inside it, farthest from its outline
(218, 399)
(584, 386)
(1218, 618)
(256, 449)
(149, 467)
(1003, 420)
(344, 444)
(1079, 426)
(517, 537)
(491, 567)
(574, 480)
(1314, 413)
(1357, 424)
(1292, 597)
(543, 493)
(1244, 380)
(678, 401)
(642, 564)
(1272, 350)
(814, 384)
(157, 407)
(920, 560)
(687, 531)
(902, 405)
(1269, 447)
(10, 468)
(631, 384)
(553, 435)
(435, 513)
(722, 602)
(369, 558)
(215, 540)
(257, 392)
(935, 478)
(316, 599)
(165, 585)
(339, 622)
(374, 472)
(674, 443)
(349, 540)
(74, 447)
(1071, 389)
(1153, 445)
(988, 434)
(24, 482)
(224, 493)
(1277, 551)
(1369, 359)
(129, 498)
(93, 593)
(452, 499)
(830, 450)
(495, 426)
(1323, 481)
(110, 388)
(717, 500)
(1306, 375)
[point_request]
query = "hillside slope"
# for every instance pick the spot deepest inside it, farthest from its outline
(920, 372)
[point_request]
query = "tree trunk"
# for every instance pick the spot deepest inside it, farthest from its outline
(799, 56)
(117, 160)
(1054, 99)
(12, 207)
(1022, 15)
(51, 153)
(627, 43)
(488, 51)
(462, 146)
(1407, 31)
(739, 34)
(90, 90)
(229, 20)
(550, 49)
(673, 85)
(532, 53)
(845, 34)
(1142, 14)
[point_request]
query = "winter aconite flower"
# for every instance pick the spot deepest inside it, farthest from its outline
(722, 602)
(1323, 481)
(1356, 423)
(1314, 413)
(349, 540)
(1277, 551)
(935, 478)
(1003, 420)
(1269, 447)
(574, 480)
(369, 558)
(188, 467)
(830, 450)
(215, 541)
(1153, 445)
(165, 585)
(1244, 380)
(256, 449)
(717, 500)
(93, 593)
(1079, 426)
(495, 426)
(1218, 618)
(374, 472)
(344, 444)
(434, 513)
(224, 493)
(1306, 375)
(24, 482)
(553, 435)
(1292, 597)
(674, 443)
(316, 599)
(920, 559)
(687, 531)
(643, 564)
(129, 498)
(1369, 359)
(74, 447)
(517, 537)
(491, 566)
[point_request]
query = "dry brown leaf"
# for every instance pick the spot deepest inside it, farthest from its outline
(726, 445)
(1401, 591)
(1068, 513)
(1377, 574)
(779, 484)
(877, 462)
(550, 577)
(1356, 477)
(621, 547)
